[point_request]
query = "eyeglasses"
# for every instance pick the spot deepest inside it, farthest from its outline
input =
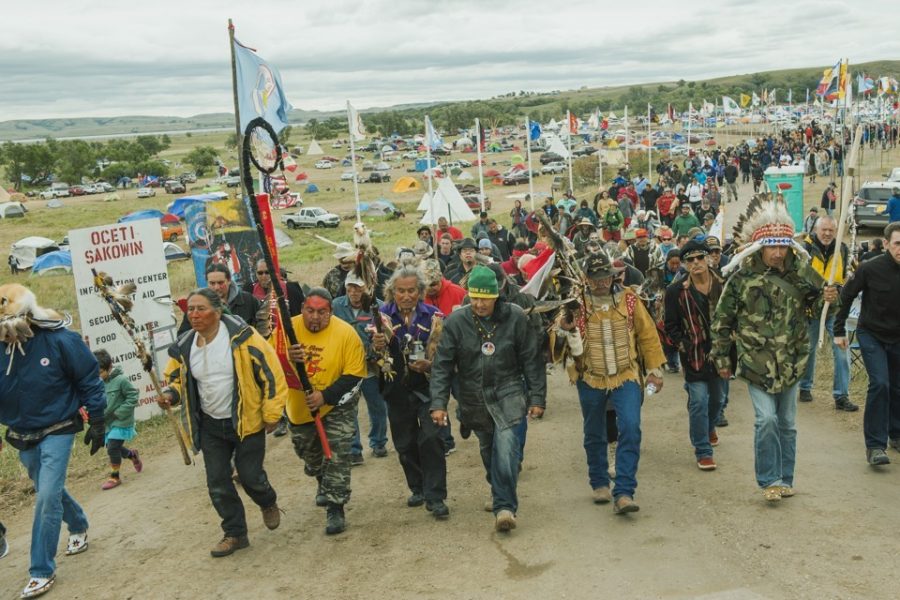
(691, 259)
(262, 272)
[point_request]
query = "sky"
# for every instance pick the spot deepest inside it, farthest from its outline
(90, 58)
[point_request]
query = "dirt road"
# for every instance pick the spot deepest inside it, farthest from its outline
(698, 534)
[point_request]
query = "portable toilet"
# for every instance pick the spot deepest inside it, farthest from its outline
(422, 164)
(788, 181)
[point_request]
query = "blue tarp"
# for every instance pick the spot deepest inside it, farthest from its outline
(177, 207)
(312, 188)
(141, 214)
(53, 260)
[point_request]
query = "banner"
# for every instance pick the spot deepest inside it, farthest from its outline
(198, 238)
(126, 252)
(259, 90)
(232, 239)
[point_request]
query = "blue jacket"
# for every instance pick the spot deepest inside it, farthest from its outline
(56, 376)
(343, 311)
(893, 209)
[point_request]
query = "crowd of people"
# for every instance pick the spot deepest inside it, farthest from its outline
(481, 319)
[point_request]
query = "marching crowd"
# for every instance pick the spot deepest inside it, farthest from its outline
(615, 291)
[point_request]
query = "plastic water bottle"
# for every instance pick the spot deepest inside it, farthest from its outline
(650, 389)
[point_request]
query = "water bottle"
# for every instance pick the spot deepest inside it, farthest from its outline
(650, 389)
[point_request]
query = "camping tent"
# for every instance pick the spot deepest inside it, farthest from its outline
(174, 252)
(4, 195)
(448, 202)
(140, 215)
(177, 207)
(28, 249)
(169, 218)
(378, 208)
(312, 188)
(9, 210)
(466, 176)
(55, 203)
(314, 148)
(57, 262)
(405, 184)
(555, 145)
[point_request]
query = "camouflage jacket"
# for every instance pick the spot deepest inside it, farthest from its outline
(764, 312)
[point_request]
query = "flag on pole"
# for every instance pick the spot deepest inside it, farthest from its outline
(481, 136)
(654, 118)
(671, 113)
(432, 138)
(573, 123)
(755, 99)
(534, 130)
(729, 106)
(717, 229)
(594, 120)
(745, 100)
(770, 99)
(790, 95)
(864, 84)
(842, 80)
(357, 129)
(828, 83)
(259, 90)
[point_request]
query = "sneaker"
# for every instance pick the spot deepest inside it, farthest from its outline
(334, 519)
(722, 422)
(625, 504)
(356, 460)
(706, 464)
(843, 403)
(505, 521)
(4, 546)
(437, 508)
(772, 493)
(136, 461)
(281, 429)
(713, 438)
(450, 450)
(601, 495)
(805, 396)
(877, 457)
(38, 586)
(229, 545)
(272, 516)
(895, 444)
(415, 499)
(110, 483)
(787, 491)
(78, 543)
(379, 452)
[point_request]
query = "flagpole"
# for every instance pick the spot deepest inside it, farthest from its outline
(480, 166)
(649, 145)
(237, 111)
(528, 149)
(690, 118)
(353, 163)
(626, 135)
(569, 137)
(431, 183)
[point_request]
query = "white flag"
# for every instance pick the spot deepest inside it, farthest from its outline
(357, 129)
(717, 229)
(729, 106)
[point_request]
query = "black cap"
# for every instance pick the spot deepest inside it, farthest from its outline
(597, 265)
(469, 244)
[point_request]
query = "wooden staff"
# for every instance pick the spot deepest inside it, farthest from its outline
(846, 192)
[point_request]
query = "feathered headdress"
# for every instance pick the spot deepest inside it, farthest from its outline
(19, 311)
(766, 222)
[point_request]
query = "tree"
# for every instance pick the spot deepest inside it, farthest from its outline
(201, 158)
(231, 141)
(151, 144)
(75, 160)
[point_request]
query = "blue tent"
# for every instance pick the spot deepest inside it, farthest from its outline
(141, 214)
(177, 207)
(56, 262)
(312, 188)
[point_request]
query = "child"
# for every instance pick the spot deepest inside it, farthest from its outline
(121, 399)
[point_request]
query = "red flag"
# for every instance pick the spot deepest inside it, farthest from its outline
(671, 113)
(573, 123)
(481, 135)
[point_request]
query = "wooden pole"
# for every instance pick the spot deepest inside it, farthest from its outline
(237, 109)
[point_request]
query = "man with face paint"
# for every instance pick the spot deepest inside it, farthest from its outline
(335, 362)
(617, 343)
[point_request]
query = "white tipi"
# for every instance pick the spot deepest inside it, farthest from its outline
(314, 148)
(449, 203)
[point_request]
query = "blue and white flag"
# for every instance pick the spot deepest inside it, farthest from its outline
(259, 90)
(432, 138)
(534, 130)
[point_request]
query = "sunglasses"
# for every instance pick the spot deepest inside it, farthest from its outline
(691, 259)
(262, 272)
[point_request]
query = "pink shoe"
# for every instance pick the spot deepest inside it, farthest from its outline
(111, 483)
(136, 461)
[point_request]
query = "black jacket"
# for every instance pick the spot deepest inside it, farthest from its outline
(879, 278)
(492, 390)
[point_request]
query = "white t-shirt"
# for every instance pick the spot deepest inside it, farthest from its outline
(213, 367)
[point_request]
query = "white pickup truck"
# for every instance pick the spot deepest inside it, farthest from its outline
(310, 217)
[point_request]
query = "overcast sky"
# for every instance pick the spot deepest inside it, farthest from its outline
(77, 58)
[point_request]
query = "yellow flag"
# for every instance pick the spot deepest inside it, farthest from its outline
(745, 100)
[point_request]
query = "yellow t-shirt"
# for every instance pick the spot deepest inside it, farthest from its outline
(330, 353)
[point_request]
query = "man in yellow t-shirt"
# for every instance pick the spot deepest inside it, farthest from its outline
(335, 362)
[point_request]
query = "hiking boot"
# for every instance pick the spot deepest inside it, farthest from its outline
(415, 499)
(321, 500)
(437, 508)
(379, 452)
(877, 457)
(713, 438)
(136, 461)
(895, 444)
(843, 403)
(601, 495)
(356, 460)
(228, 545)
(110, 483)
(706, 464)
(281, 429)
(805, 396)
(505, 521)
(722, 422)
(625, 504)
(272, 516)
(334, 519)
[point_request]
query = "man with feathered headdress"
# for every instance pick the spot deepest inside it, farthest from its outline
(763, 311)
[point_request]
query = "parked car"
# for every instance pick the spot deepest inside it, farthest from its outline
(549, 157)
(187, 178)
(375, 177)
(105, 187)
(347, 176)
(310, 217)
(233, 181)
(870, 203)
(174, 186)
(559, 184)
(411, 155)
(894, 175)
(170, 232)
(324, 164)
(146, 192)
(51, 194)
(517, 177)
(584, 151)
(554, 167)
(76, 190)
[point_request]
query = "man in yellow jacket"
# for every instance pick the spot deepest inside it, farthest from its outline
(231, 387)
(335, 362)
(821, 247)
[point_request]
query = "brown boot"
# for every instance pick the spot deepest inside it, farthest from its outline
(272, 516)
(625, 504)
(228, 545)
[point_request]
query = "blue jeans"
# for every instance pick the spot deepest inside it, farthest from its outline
(775, 435)
(377, 408)
(841, 379)
(46, 464)
(627, 401)
(500, 456)
(704, 402)
(881, 419)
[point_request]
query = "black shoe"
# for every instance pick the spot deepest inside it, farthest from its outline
(877, 457)
(281, 429)
(415, 500)
(464, 432)
(437, 508)
(334, 519)
(722, 422)
(356, 460)
(379, 452)
(805, 396)
(843, 403)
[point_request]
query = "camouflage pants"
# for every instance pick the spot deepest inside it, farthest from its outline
(334, 474)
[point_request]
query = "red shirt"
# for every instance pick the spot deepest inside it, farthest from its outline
(450, 295)
(455, 234)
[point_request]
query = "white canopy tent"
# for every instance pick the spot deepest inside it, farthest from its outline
(449, 203)
(28, 249)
